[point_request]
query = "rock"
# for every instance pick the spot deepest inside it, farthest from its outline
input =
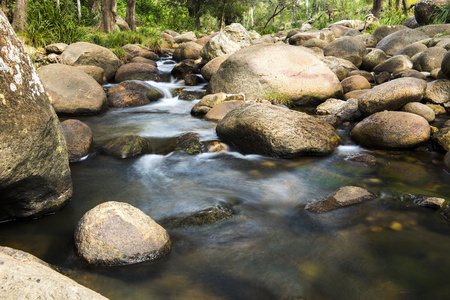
(345, 196)
(238, 34)
(383, 31)
(411, 23)
(349, 48)
(143, 60)
(185, 37)
(424, 10)
(137, 71)
(368, 40)
(445, 65)
(372, 59)
(442, 138)
(436, 30)
(192, 80)
(219, 111)
(427, 201)
(185, 67)
(142, 87)
(116, 233)
(202, 217)
(412, 49)
(355, 94)
(95, 72)
(330, 107)
(63, 84)
(300, 38)
(314, 42)
(189, 50)
(126, 146)
(438, 91)
(189, 143)
(420, 109)
(191, 95)
(78, 138)
(367, 75)
(133, 51)
(392, 95)
(25, 276)
(217, 147)
(212, 66)
(362, 159)
(338, 30)
(82, 53)
(210, 101)
(394, 64)
(275, 131)
(382, 77)
(409, 73)
(340, 67)
(392, 43)
(34, 166)
(127, 98)
(447, 162)
(392, 130)
(265, 39)
(115, 88)
(430, 59)
(355, 82)
(57, 48)
(438, 109)
(204, 40)
(344, 110)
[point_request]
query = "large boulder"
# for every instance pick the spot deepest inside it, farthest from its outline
(349, 48)
(116, 233)
(412, 49)
(383, 31)
(34, 167)
(275, 131)
(445, 65)
(78, 137)
(430, 59)
(83, 53)
(438, 91)
(133, 51)
(127, 98)
(189, 50)
(392, 130)
(373, 59)
(392, 95)
(185, 37)
(394, 64)
(341, 67)
(63, 84)
(212, 66)
(392, 43)
(425, 10)
(297, 74)
(126, 146)
(137, 71)
(25, 276)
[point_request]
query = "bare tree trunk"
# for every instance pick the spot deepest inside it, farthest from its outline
(274, 14)
(78, 8)
(251, 17)
(57, 4)
(307, 8)
(20, 15)
(108, 16)
(4, 6)
(376, 9)
(130, 16)
(94, 6)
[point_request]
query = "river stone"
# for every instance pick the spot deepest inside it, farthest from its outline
(143, 60)
(209, 101)
(437, 108)
(392, 43)
(383, 31)
(442, 138)
(314, 42)
(392, 130)
(392, 95)
(425, 10)
(447, 162)
(445, 65)
(372, 59)
(141, 86)
(78, 138)
(349, 48)
(191, 95)
(436, 30)
(204, 40)
(25, 276)
(275, 131)
(300, 38)
(132, 51)
(420, 109)
(330, 107)
(185, 37)
(202, 217)
(368, 40)
(355, 94)
(409, 73)
(345, 196)
(438, 91)
(57, 48)
(185, 67)
(300, 76)
(34, 166)
(126, 146)
(343, 110)
(212, 66)
(189, 50)
(137, 71)
(340, 67)
(355, 82)
(63, 84)
(364, 159)
(430, 59)
(127, 98)
(189, 143)
(219, 111)
(95, 72)
(117, 233)
(412, 49)
(394, 64)
(83, 53)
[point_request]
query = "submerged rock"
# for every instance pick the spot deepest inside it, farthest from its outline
(126, 146)
(78, 138)
(205, 216)
(189, 143)
(442, 138)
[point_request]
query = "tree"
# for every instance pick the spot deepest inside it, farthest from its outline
(279, 7)
(130, 16)
(20, 15)
(107, 16)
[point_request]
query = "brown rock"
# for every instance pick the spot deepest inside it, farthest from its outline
(355, 82)
(137, 71)
(78, 138)
(219, 111)
(127, 98)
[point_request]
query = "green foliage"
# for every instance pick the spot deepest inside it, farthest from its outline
(390, 17)
(443, 16)
(278, 97)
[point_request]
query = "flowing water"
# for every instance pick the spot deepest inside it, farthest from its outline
(272, 248)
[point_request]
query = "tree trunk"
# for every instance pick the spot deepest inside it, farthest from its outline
(20, 15)
(274, 14)
(94, 6)
(107, 16)
(376, 9)
(78, 8)
(57, 4)
(307, 8)
(130, 16)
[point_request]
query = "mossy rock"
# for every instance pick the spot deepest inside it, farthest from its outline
(202, 217)
(189, 143)
(126, 146)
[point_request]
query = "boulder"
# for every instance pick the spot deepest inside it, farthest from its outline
(133, 51)
(127, 98)
(392, 43)
(219, 111)
(438, 91)
(382, 77)
(95, 72)
(63, 84)
(436, 30)
(368, 40)
(205, 216)
(238, 34)
(409, 73)
(367, 75)
(276, 131)
(300, 38)
(126, 146)
(330, 107)
(185, 67)
(143, 60)
(425, 10)
(373, 59)
(412, 49)
(185, 37)
(193, 80)
(349, 48)
(392, 130)
(314, 42)
(355, 82)
(189, 50)
(340, 67)
(191, 95)
(189, 143)
(338, 30)
(383, 31)
(142, 87)
(430, 59)
(209, 101)
(137, 71)
(25, 276)
(411, 23)
(445, 65)
(394, 64)
(442, 138)
(392, 95)
(300, 76)
(204, 40)
(212, 66)
(117, 233)
(83, 53)
(421, 110)
(344, 110)
(78, 138)
(34, 166)
(57, 48)
(355, 94)
(447, 162)
(345, 196)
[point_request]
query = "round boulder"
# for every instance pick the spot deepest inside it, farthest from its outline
(212, 66)
(78, 138)
(127, 98)
(445, 65)
(341, 67)
(349, 48)
(276, 131)
(412, 49)
(438, 91)
(392, 130)
(139, 71)
(372, 59)
(270, 68)
(430, 59)
(189, 50)
(116, 233)
(383, 31)
(126, 146)
(421, 110)
(394, 64)
(355, 82)
(392, 43)
(95, 72)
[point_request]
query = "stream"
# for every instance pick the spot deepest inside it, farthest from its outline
(388, 248)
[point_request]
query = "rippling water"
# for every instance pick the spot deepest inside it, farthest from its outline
(271, 248)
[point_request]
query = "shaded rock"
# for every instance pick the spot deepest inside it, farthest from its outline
(409, 73)
(434, 30)
(330, 107)
(424, 10)
(412, 49)
(78, 138)
(275, 131)
(438, 91)
(219, 111)
(137, 71)
(314, 42)
(420, 109)
(142, 87)
(299, 38)
(206, 216)
(355, 94)
(442, 138)
(392, 43)
(349, 48)
(368, 40)
(392, 95)
(343, 110)
(95, 72)
(355, 82)
(189, 143)
(209, 101)
(185, 67)
(191, 95)
(115, 233)
(299, 76)
(345, 196)
(63, 84)
(185, 37)
(394, 64)
(430, 59)
(383, 31)
(411, 23)
(134, 51)
(57, 48)
(438, 109)
(189, 50)
(82, 53)
(369, 76)
(445, 65)
(372, 59)
(192, 80)
(382, 77)
(340, 67)
(426, 201)
(447, 162)
(25, 276)
(338, 30)
(212, 66)
(126, 146)
(143, 60)
(127, 98)
(204, 40)
(392, 130)
(362, 159)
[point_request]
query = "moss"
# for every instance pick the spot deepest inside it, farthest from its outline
(206, 216)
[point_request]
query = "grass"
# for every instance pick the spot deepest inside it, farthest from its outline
(278, 97)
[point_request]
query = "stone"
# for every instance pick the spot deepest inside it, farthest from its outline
(435, 30)
(143, 60)
(117, 233)
(191, 95)
(126, 146)
(421, 110)
(330, 107)
(344, 110)
(207, 103)
(447, 162)
(219, 111)
(345, 196)
(299, 38)
(437, 108)
(34, 165)
(362, 159)
(127, 98)
(383, 31)
(382, 77)
(424, 10)
(392, 130)
(392, 43)
(409, 73)
(25, 276)
(237, 33)
(57, 48)
(355, 82)
(63, 84)
(372, 59)
(315, 42)
(368, 40)
(438, 91)
(133, 51)
(355, 94)
(349, 48)
(82, 53)
(185, 67)
(394, 64)
(189, 143)
(367, 75)
(189, 50)
(205, 216)
(78, 138)
(445, 65)
(115, 88)
(430, 59)
(212, 66)
(428, 201)
(95, 72)
(185, 37)
(411, 23)
(193, 80)
(204, 40)
(392, 95)
(340, 67)
(142, 87)
(412, 49)
(137, 71)
(442, 138)
(275, 131)
(338, 30)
